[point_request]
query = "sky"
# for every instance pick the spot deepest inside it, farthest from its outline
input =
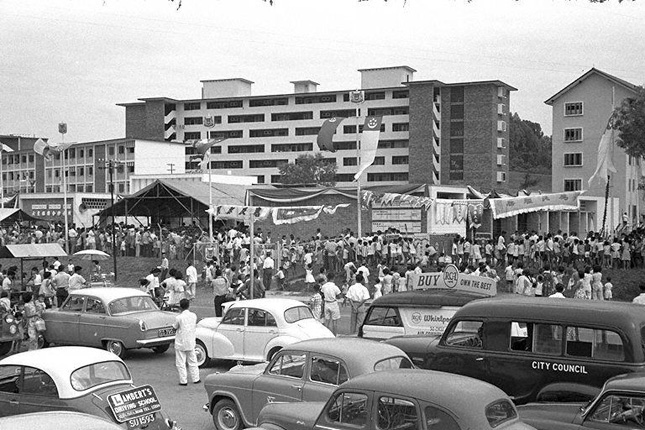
(73, 60)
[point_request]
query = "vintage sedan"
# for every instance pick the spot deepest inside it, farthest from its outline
(56, 421)
(116, 319)
(305, 371)
(78, 379)
(254, 330)
(619, 405)
(401, 400)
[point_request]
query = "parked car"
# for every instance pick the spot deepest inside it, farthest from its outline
(536, 349)
(254, 330)
(402, 400)
(8, 332)
(56, 421)
(425, 312)
(305, 371)
(618, 406)
(78, 379)
(116, 319)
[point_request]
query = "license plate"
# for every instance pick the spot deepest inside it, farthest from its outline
(166, 332)
(141, 421)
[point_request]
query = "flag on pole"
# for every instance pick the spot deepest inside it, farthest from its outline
(369, 143)
(46, 150)
(203, 147)
(605, 163)
(5, 148)
(326, 134)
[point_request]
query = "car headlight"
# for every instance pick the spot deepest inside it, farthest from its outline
(142, 325)
(9, 318)
(13, 329)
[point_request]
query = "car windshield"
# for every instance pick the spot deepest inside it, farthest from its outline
(95, 374)
(500, 412)
(297, 313)
(132, 304)
(393, 363)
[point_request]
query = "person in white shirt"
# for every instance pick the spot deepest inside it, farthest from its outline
(185, 324)
(357, 295)
(559, 288)
(640, 299)
(331, 293)
(76, 281)
(267, 270)
(191, 280)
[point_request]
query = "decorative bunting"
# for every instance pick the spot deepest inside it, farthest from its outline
(281, 215)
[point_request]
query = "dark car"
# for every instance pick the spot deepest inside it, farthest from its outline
(9, 331)
(537, 348)
(618, 406)
(401, 400)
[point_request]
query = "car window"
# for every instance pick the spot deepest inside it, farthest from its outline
(394, 414)
(95, 374)
(73, 304)
(327, 371)
(289, 364)
(132, 304)
(94, 306)
(499, 412)
(9, 379)
(383, 316)
(622, 410)
(260, 318)
(436, 419)
(393, 363)
(297, 313)
(38, 383)
(348, 408)
(595, 343)
(465, 334)
(234, 316)
(547, 339)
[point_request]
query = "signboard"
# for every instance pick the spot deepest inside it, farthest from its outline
(396, 214)
(452, 278)
(49, 209)
(426, 320)
(402, 226)
(134, 404)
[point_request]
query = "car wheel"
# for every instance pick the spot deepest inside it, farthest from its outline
(115, 347)
(226, 416)
(5, 347)
(201, 354)
(161, 349)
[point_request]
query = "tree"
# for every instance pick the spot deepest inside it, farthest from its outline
(629, 120)
(530, 149)
(308, 170)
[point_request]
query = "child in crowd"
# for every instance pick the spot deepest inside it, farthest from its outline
(316, 303)
(607, 294)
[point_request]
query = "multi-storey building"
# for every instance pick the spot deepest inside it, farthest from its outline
(581, 112)
(432, 132)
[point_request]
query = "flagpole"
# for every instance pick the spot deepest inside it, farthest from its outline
(252, 252)
(210, 200)
(63, 171)
(1, 178)
(357, 97)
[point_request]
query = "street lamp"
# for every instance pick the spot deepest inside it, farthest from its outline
(110, 165)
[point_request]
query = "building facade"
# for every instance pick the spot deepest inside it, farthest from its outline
(432, 132)
(581, 112)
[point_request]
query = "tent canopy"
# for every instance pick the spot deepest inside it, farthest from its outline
(13, 215)
(287, 196)
(35, 250)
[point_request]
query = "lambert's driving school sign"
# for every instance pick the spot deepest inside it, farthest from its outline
(134, 403)
(452, 278)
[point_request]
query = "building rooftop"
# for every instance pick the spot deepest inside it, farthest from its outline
(592, 71)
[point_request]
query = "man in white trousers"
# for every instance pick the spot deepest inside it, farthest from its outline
(185, 344)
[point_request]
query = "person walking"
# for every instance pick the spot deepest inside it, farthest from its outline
(331, 293)
(357, 294)
(61, 282)
(267, 270)
(185, 324)
(191, 279)
(220, 291)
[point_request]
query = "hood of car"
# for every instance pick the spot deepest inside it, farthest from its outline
(291, 415)
(155, 319)
(538, 414)
(252, 369)
(211, 322)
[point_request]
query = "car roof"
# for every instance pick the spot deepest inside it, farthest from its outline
(57, 420)
(107, 294)
(429, 297)
(628, 382)
(359, 354)
(454, 392)
(59, 362)
(565, 311)
(270, 304)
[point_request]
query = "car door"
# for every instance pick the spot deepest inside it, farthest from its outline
(92, 322)
(63, 324)
(233, 328)
(324, 375)
(282, 381)
(261, 327)
(346, 410)
(9, 390)
(38, 392)
(461, 350)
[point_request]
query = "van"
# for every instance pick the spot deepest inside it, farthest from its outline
(537, 349)
(426, 312)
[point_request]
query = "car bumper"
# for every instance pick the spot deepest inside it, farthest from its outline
(156, 342)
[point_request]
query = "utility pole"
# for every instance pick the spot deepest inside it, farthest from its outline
(110, 165)
(171, 167)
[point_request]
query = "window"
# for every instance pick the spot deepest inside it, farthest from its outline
(465, 334)
(246, 118)
(547, 339)
(379, 161)
(307, 131)
(573, 159)
(401, 126)
(234, 316)
(224, 104)
(394, 413)
(573, 109)
(383, 316)
(297, 313)
(572, 184)
(500, 159)
(121, 188)
(276, 179)
(292, 147)
(266, 164)
(229, 134)
(622, 410)
(73, 304)
(192, 106)
(350, 161)
(338, 146)
(456, 94)
(289, 364)
(595, 343)
(269, 132)
(342, 113)
(573, 134)
(99, 373)
(377, 95)
(400, 94)
(500, 412)
(260, 318)
(292, 116)
(260, 179)
(327, 371)
(457, 128)
(501, 125)
(457, 146)
(193, 120)
(245, 149)
(90, 152)
(192, 135)
(94, 306)
(400, 159)
(457, 162)
(393, 363)
(36, 382)
(387, 177)
(222, 165)
(400, 110)
(281, 101)
(9, 379)
(457, 111)
(315, 99)
(436, 419)
(391, 144)
(344, 177)
(111, 150)
(349, 409)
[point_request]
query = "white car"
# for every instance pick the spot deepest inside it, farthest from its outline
(254, 330)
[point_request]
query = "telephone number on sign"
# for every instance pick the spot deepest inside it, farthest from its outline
(137, 422)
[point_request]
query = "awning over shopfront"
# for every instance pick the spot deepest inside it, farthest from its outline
(35, 250)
